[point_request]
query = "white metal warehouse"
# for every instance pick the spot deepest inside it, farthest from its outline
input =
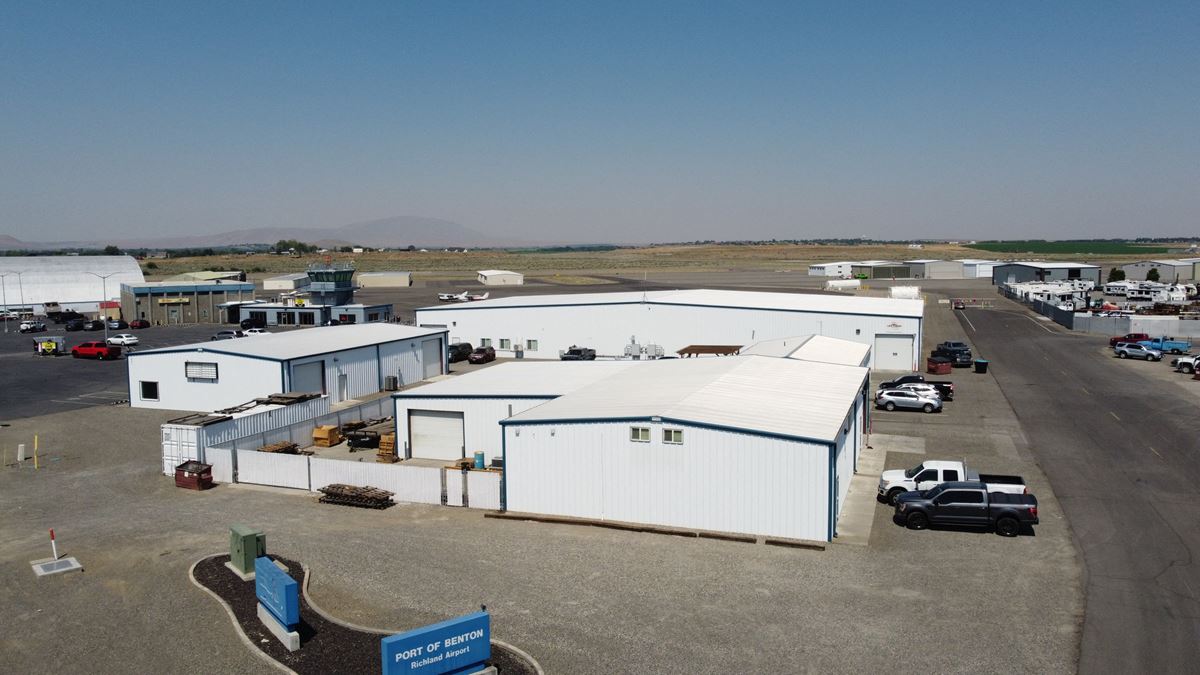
(500, 278)
(344, 362)
(977, 268)
(391, 279)
(287, 282)
(745, 444)
(840, 270)
(543, 326)
(27, 283)
(927, 268)
(456, 417)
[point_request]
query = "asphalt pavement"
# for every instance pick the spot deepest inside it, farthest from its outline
(1120, 449)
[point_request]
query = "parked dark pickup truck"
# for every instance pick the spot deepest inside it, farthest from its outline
(578, 354)
(945, 387)
(967, 504)
(959, 353)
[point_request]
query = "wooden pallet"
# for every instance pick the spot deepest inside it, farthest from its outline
(351, 495)
(282, 448)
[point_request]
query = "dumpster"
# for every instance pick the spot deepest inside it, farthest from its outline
(193, 475)
(981, 365)
(938, 365)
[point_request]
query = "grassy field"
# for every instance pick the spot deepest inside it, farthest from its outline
(576, 264)
(1041, 247)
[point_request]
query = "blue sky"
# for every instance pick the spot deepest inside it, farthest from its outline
(604, 121)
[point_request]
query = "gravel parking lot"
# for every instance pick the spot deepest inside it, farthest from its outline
(579, 599)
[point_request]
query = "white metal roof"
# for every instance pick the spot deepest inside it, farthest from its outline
(488, 273)
(922, 261)
(844, 262)
(1175, 262)
(65, 278)
(524, 378)
(813, 348)
(288, 277)
(1052, 265)
(976, 261)
(385, 273)
(795, 302)
(752, 393)
(305, 342)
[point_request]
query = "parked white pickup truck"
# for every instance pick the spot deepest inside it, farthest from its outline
(932, 473)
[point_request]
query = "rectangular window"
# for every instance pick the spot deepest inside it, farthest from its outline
(505, 343)
(674, 436)
(149, 391)
(485, 342)
(639, 434)
(531, 345)
(373, 317)
(197, 370)
(308, 319)
(285, 318)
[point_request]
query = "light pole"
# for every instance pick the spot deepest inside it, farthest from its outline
(4, 294)
(103, 299)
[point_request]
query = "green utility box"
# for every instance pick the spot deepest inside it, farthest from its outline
(246, 544)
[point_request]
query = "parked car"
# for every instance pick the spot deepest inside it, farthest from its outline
(931, 473)
(970, 504)
(1133, 350)
(95, 350)
(331, 322)
(74, 324)
(227, 335)
(253, 323)
(1166, 344)
(94, 324)
(32, 327)
(139, 323)
(482, 355)
(890, 399)
(1128, 337)
(256, 331)
(117, 324)
(923, 388)
(123, 340)
(458, 351)
(945, 387)
(578, 354)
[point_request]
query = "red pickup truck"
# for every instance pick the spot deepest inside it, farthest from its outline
(1128, 337)
(96, 350)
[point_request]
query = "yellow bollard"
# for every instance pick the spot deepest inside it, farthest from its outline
(35, 462)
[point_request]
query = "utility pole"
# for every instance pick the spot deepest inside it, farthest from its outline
(4, 295)
(103, 299)
(21, 287)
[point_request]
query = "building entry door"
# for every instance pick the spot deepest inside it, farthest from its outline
(343, 387)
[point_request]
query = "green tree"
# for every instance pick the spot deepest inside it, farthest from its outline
(1116, 274)
(111, 250)
(1152, 275)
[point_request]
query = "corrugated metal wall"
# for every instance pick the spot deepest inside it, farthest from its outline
(239, 380)
(358, 365)
(265, 421)
(481, 419)
(180, 443)
(404, 359)
(301, 432)
(715, 480)
(608, 328)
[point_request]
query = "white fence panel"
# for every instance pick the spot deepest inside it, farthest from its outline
(454, 487)
(266, 468)
(221, 460)
(483, 490)
(417, 484)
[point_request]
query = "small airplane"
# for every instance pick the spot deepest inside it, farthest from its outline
(461, 297)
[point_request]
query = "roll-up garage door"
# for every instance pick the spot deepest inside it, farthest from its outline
(436, 434)
(431, 358)
(893, 352)
(309, 377)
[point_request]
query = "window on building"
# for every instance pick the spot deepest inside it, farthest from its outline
(505, 343)
(674, 436)
(485, 342)
(308, 318)
(149, 391)
(531, 345)
(285, 318)
(372, 317)
(639, 434)
(200, 371)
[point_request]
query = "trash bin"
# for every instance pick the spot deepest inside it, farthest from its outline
(981, 365)
(193, 475)
(938, 365)
(479, 460)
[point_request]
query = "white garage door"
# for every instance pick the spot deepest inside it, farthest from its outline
(431, 358)
(436, 434)
(309, 377)
(893, 352)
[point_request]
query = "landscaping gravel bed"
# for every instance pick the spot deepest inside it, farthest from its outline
(325, 646)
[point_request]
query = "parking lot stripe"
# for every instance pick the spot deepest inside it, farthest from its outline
(1114, 415)
(964, 316)
(1156, 452)
(1086, 391)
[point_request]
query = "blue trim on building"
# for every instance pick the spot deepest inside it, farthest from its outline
(832, 505)
(504, 473)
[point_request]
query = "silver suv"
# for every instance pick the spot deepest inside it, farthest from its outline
(890, 399)
(1133, 350)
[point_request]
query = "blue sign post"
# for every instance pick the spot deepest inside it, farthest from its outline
(454, 646)
(277, 591)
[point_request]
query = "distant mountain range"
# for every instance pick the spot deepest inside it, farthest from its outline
(388, 232)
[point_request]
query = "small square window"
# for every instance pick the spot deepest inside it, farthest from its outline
(485, 342)
(149, 391)
(639, 434)
(531, 345)
(674, 436)
(505, 344)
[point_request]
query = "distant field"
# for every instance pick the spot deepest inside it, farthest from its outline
(1069, 247)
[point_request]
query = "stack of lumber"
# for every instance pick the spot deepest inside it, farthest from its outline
(282, 447)
(386, 453)
(326, 436)
(353, 425)
(350, 495)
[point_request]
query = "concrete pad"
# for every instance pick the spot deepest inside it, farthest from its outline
(290, 639)
(48, 566)
(913, 445)
(249, 576)
(858, 512)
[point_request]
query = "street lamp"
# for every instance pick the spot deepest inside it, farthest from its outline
(103, 299)
(4, 296)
